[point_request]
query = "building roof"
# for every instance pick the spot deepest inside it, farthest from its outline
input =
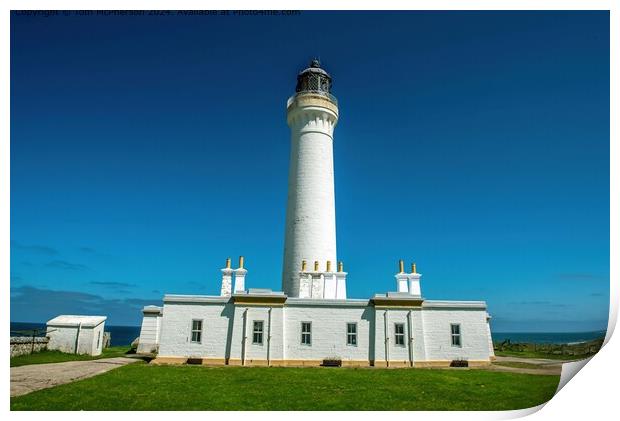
(390, 298)
(326, 302)
(478, 305)
(177, 298)
(73, 320)
(152, 309)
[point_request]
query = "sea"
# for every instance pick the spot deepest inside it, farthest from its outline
(120, 335)
(548, 337)
(124, 335)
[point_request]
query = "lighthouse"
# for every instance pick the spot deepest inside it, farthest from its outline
(312, 319)
(310, 235)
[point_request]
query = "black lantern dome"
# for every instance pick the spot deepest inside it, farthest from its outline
(314, 79)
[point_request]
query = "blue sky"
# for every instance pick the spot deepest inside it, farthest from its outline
(145, 150)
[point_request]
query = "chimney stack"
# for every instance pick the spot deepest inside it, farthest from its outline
(341, 282)
(240, 273)
(227, 272)
(401, 278)
(414, 281)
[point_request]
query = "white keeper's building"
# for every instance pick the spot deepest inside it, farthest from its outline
(312, 322)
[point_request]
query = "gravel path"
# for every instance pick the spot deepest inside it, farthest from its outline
(537, 361)
(28, 378)
(544, 366)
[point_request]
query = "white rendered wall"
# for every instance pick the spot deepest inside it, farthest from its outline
(223, 332)
(491, 349)
(257, 352)
(62, 338)
(149, 333)
(399, 353)
(176, 329)
(97, 340)
(85, 343)
(65, 339)
(310, 215)
(329, 332)
(474, 334)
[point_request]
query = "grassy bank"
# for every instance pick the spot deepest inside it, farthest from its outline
(564, 352)
(148, 387)
(45, 357)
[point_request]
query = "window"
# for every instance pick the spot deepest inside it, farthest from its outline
(455, 330)
(197, 331)
(306, 333)
(352, 334)
(257, 332)
(399, 334)
(98, 338)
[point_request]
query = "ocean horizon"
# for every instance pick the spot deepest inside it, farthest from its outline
(124, 335)
(120, 335)
(548, 337)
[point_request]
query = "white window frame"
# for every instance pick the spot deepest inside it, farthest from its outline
(397, 335)
(458, 336)
(198, 331)
(352, 335)
(260, 332)
(308, 333)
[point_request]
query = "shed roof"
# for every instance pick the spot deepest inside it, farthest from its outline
(73, 320)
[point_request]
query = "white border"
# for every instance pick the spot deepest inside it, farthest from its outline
(591, 394)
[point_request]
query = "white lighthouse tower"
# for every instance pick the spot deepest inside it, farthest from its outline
(310, 238)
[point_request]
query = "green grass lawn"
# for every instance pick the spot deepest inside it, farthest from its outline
(45, 357)
(141, 386)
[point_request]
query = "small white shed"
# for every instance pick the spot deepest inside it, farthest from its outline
(76, 334)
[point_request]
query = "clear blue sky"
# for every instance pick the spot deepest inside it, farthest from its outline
(145, 150)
